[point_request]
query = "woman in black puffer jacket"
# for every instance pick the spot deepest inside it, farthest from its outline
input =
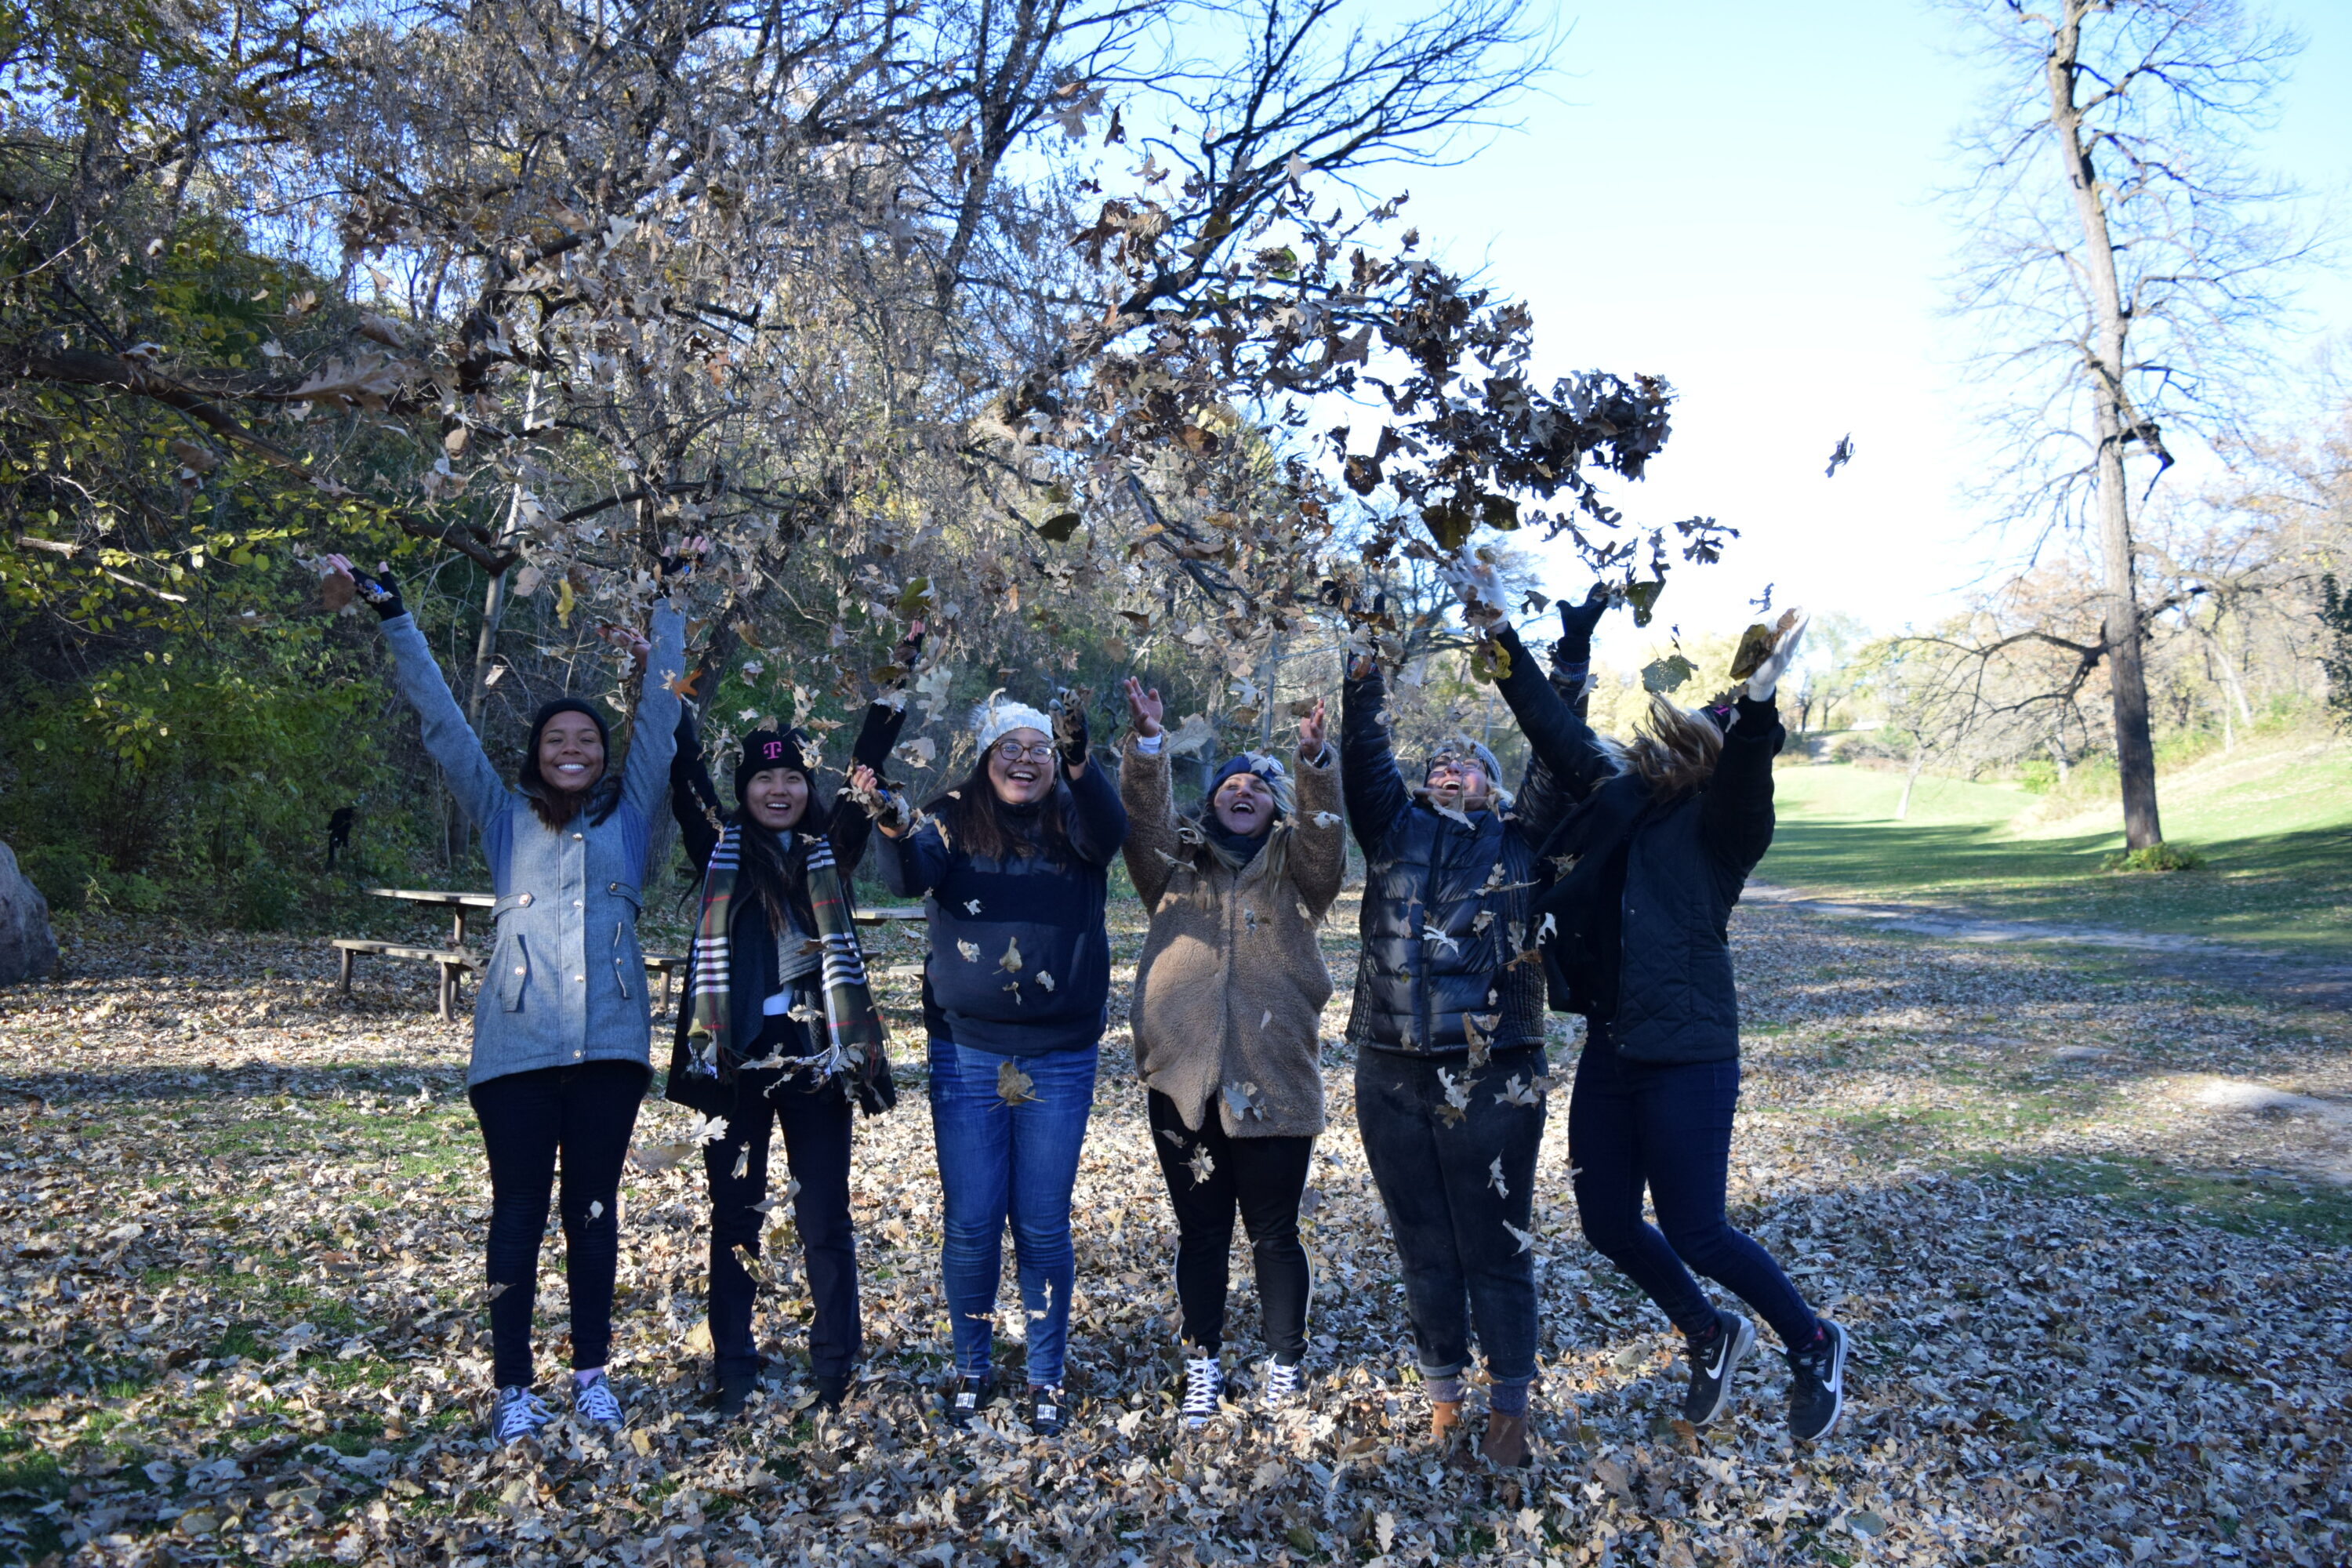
(1651, 857)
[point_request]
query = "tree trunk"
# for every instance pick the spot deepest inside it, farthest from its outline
(1919, 762)
(2126, 676)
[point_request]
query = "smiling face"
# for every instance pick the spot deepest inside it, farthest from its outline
(571, 752)
(1243, 805)
(776, 797)
(1021, 766)
(1458, 784)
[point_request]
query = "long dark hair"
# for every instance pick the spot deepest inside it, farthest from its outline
(982, 827)
(774, 865)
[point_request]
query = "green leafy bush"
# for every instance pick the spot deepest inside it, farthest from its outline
(2154, 858)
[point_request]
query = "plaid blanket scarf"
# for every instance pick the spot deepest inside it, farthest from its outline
(855, 1049)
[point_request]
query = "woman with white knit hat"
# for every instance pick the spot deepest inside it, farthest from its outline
(1013, 865)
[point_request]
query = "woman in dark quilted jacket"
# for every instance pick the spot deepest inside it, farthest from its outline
(1649, 859)
(1447, 1026)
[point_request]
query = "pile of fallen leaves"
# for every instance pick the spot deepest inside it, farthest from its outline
(2099, 1305)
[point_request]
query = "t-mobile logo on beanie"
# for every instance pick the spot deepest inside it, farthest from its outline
(772, 752)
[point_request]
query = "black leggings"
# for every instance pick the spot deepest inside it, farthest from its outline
(587, 1113)
(1262, 1177)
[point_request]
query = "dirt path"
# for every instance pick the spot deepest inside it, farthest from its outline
(2285, 977)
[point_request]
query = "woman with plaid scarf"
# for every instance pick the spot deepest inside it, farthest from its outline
(777, 1029)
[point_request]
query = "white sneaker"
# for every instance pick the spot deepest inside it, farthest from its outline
(1204, 1384)
(517, 1415)
(594, 1401)
(1278, 1387)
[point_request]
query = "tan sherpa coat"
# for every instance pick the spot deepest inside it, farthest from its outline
(1231, 986)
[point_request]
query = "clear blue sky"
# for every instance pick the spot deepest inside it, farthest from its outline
(1737, 196)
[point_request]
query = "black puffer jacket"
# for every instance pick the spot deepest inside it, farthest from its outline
(1684, 863)
(1428, 958)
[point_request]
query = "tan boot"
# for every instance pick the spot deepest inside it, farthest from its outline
(1444, 1420)
(1505, 1443)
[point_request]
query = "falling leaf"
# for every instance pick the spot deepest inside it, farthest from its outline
(970, 950)
(1839, 455)
(565, 599)
(742, 1163)
(1525, 1238)
(1202, 1164)
(1327, 819)
(1013, 1085)
(1045, 980)
(1189, 736)
(596, 1209)
(1668, 674)
(971, 907)
(683, 684)
(749, 1261)
(1495, 1179)
(1011, 962)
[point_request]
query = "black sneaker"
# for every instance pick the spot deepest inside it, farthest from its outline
(968, 1398)
(1044, 1411)
(832, 1388)
(1712, 1369)
(1817, 1385)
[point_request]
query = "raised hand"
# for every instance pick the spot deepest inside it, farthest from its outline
(909, 648)
(879, 801)
(380, 593)
(628, 639)
(1144, 708)
(1311, 734)
(1578, 622)
(1765, 677)
(1070, 734)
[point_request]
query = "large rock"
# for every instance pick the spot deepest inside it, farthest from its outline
(29, 948)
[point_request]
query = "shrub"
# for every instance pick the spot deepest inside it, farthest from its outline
(2154, 858)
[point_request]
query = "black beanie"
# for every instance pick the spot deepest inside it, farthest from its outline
(765, 749)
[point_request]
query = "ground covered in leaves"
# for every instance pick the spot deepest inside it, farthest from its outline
(2088, 1227)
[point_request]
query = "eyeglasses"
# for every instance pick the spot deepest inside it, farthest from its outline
(1013, 751)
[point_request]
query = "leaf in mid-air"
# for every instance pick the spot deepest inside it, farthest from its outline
(1013, 1086)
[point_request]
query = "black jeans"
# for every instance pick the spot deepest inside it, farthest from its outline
(1262, 1177)
(817, 1148)
(585, 1114)
(1453, 1218)
(1632, 1124)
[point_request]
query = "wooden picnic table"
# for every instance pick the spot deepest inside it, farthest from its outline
(455, 961)
(435, 899)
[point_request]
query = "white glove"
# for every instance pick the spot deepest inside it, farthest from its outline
(1765, 677)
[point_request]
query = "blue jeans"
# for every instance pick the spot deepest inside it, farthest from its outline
(1632, 1124)
(1000, 1162)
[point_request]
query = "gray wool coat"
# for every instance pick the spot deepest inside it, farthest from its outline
(566, 982)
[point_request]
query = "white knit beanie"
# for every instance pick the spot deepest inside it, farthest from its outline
(993, 718)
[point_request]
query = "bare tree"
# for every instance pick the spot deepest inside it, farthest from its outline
(2124, 258)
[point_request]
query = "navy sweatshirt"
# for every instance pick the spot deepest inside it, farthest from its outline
(1020, 962)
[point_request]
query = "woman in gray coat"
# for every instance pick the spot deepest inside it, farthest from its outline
(562, 1022)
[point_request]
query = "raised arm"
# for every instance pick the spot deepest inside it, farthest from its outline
(1318, 855)
(653, 726)
(1151, 846)
(1099, 823)
(1556, 733)
(481, 793)
(1375, 792)
(693, 798)
(1735, 810)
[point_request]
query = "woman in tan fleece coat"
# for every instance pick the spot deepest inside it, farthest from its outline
(1228, 997)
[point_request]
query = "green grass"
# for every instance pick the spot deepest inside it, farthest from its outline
(2272, 821)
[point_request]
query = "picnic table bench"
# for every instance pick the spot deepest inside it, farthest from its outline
(454, 961)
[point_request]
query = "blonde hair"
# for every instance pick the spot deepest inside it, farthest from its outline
(1674, 750)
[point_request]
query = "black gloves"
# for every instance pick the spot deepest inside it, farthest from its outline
(1070, 728)
(382, 593)
(1577, 623)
